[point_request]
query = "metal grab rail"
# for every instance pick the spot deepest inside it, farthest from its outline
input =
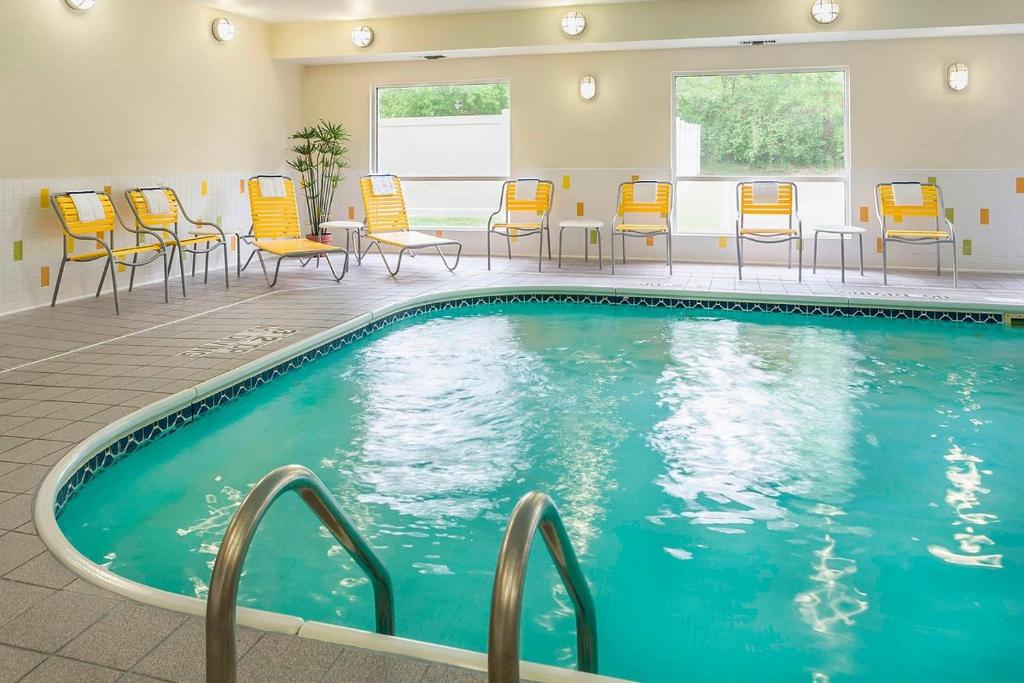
(535, 510)
(221, 661)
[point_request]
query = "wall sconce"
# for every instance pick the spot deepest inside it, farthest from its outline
(958, 76)
(223, 29)
(825, 11)
(80, 5)
(588, 87)
(574, 23)
(362, 36)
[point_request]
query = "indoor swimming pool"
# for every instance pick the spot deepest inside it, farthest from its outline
(753, 496)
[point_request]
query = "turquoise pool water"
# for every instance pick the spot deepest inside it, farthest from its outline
(753, 496)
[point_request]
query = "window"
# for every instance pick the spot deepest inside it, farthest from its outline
(788, 125)
(449, 144)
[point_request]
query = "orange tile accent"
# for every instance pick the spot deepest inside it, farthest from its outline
(635, 178)
(1020, 185)
(204, 188)
(865, 214)
(241, 186)
(986, 217)
(108, 190)
(650, 241)
(566, 182)
(234, 242)
(579, 209)
(44, 198)
(439, 233)
(878, 245)
(44, 276)
(351, 213)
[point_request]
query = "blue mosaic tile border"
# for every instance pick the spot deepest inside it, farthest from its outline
(124, 446)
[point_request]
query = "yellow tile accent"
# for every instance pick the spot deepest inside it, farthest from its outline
(44, 276)
(241, 186)
(579, 209)
(439, 233)
(566, 182)
(44, 198)
(121, 267)
(19, 250)
(107, 189)
(723, 242)
(635, 178)
(878, 245)
(351, 213)
(204, 188)
(650, 241)
(865, 214)
(71, 244)
(897, 219)
(986, 217)
(1020, 185)
(968, 247)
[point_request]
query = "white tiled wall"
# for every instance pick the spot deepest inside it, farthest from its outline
(996, 247)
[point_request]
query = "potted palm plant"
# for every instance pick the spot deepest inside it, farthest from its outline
(320, 157)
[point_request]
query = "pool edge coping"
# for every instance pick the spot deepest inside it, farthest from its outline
(45, 501)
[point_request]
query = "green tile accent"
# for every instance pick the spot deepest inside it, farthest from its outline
(932, 180)
(968, 247)
(19, 250)
(951, 215)
(593, 236)
(220, 221)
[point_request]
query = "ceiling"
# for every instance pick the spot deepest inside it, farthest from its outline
(340, 10)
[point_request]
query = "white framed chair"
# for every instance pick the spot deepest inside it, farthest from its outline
(525, 205)
(769, 198)
(898, 201)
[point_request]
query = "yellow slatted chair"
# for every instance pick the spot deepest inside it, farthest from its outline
(931, 207)
(785, 204)
(655, 217)
(535, 211)
(277, 231)
(167, 220)
(100, 232)
(387, 223)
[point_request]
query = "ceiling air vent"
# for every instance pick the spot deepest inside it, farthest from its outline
(432, 57)
(757, 43)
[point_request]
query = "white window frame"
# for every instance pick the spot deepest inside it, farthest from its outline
(844, 178)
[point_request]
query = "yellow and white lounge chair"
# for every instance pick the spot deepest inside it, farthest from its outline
(643, 209)
(898, 201)
(158, 209)
(526, 205)
(769, 198)
(276, 229)
(91, 217)
(387, 222)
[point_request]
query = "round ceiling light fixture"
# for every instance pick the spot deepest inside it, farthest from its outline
(362, 36)
(825, 11)
(80, 5)
(958, 76)
(223, 29)
(574, 23)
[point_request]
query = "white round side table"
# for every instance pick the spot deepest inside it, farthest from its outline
(842, 231)
(587, 224)
(348, 227)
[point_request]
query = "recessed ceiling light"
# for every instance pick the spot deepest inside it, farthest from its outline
(958, 76)
(223, 29)
(825, 11)
(574, 23)
(80, 5)
(362, 36)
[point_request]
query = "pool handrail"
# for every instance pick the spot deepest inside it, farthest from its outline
(535, 511)
(221, 659)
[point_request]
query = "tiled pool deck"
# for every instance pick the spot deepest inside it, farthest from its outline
(67, 372)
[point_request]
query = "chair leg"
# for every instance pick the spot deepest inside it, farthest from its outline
(103, 278)
(799, 259)
(613, 250)
(789, 259)
(561, 232)
(508, 241)
(167, 279)
(938, 258)
(885, 261)
(56, 285)
(540, 251)
(668, 236)
(861, 237)
(131, 278)
(814, 261)
(344, 268)
(206, 268)
(227, 278)
(238, 257)
(548, 231)
(181, 269)
(193, 264)
(739, 255)
(955, 266)
(600, 265)
(458, 257)
(623, 248)
(488, 249)
(113, 287)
